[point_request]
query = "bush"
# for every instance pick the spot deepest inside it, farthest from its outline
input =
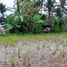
(27, 23)
(38, 28)
(12, 24)
(57, 25)
(36, 18)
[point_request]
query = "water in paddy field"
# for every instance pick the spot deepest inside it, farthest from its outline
(35, 53)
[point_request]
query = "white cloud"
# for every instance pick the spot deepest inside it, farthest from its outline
(57, 0)
(8, 3)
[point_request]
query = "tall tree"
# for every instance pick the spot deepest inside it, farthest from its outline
(62, 3)
(2, 10)
(49, 5)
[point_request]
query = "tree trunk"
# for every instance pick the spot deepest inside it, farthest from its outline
(49, 17)
(18, 9)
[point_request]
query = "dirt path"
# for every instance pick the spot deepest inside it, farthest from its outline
(35, 53)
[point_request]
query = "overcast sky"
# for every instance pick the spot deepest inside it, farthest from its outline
(10, 3)
(7, 3)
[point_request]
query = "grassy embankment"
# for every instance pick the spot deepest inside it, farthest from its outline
(13, 39)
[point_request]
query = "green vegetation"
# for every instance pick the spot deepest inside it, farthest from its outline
(28, 16)
(9, 39)
(35, 32)
(13, 39)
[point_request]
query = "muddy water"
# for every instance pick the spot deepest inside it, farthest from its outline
(35, 53)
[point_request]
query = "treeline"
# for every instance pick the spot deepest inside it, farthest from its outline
(35, 16)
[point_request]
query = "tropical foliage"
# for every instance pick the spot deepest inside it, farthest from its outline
(29, 17)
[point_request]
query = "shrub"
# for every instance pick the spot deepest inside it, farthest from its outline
(57, 25)
(38, 28)
(13, 24)
(36, 18)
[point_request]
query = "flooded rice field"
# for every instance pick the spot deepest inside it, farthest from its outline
(35, 53)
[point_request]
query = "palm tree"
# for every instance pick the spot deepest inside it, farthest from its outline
(62, 3)
(49, 5)
(2, 10)
(62, 6)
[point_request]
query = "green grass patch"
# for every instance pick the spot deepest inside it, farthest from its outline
(9, 39)
(49, 36)
(13, 39)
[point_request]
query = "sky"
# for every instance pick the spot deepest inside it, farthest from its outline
(7, 3)
(10, 3)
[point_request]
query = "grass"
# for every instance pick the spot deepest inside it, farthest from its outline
(9, 39)
(13, 39)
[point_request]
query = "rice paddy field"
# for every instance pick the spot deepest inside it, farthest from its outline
(33, 50)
